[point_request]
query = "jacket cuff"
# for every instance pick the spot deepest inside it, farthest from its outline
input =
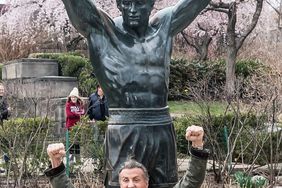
(201, 154)
(51, 172)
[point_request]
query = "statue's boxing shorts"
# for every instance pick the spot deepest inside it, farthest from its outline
(146, 135)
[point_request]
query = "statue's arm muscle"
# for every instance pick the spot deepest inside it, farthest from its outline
(84, 15)
(184, 12)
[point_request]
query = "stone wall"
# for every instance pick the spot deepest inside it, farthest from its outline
(37, 89)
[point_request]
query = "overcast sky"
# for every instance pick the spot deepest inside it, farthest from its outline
(2, 1)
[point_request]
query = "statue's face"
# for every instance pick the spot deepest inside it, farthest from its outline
(136, 13)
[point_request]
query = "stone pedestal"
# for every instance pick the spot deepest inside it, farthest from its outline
(41, 87)
(29, 68)
(38, 89)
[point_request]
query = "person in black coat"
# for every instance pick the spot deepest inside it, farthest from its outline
(4, 109)
(98, 108)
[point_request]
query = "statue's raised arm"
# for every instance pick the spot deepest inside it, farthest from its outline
(85, 16)
(131, 57)
(184, 12)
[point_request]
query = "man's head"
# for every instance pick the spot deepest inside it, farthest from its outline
(135, 13)
(133, 174)
(100, 91)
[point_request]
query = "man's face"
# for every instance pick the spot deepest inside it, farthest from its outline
(132, 178)
(136, 13)
(100, 92)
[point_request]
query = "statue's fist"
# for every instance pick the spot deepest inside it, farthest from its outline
(56, 152)
(195, 134)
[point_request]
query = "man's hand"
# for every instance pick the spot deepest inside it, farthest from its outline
(56, 152)
(92, 121)
(195, 134)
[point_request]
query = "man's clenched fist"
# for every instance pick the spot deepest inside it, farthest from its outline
(56, 152)
(195, 134)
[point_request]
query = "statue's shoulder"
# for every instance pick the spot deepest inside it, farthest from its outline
(162, 16)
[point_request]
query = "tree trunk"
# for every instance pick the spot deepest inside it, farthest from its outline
(230, 71)
(231, 52)
(204, 48)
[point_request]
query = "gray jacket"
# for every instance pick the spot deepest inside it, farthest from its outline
(193, 177)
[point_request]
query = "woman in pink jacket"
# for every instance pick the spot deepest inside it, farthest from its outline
(74, 108)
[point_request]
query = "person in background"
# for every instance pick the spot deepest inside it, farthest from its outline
(4, 114)
(74, 110)
(4, 108)
(98, 108)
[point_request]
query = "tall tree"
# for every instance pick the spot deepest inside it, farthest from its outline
(201, 41)
(235, 37)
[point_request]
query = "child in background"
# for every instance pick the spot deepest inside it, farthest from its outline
(74, 108)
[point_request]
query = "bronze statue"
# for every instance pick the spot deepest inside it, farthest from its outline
(131, 56)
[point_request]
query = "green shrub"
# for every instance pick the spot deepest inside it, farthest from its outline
(188, 79)
(70, 64)
(251, 138)
(247, 68)
(207, 79)
(23, 139)
(180, 125)
(246, 181)
(83, 134)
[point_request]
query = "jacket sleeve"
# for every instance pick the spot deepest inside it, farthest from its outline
(196, 171)
(4, 113)
(89, 110)
(81, 109)
(58, 178)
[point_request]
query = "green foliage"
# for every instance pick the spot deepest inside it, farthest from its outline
(23, 140)
(75, 65)
(191, 108)
(180, 125)
(187, 79)
(251, 138)
(243, 179)
(246, 181)
(247, 68)
(190, 79)
(83, 133)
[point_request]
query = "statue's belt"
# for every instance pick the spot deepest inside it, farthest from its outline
(151, 116)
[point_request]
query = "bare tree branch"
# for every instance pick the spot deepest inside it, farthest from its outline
(218, 10)
(275, 9)
(250, 27)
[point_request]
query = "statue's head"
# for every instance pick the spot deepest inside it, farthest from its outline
(135, 13)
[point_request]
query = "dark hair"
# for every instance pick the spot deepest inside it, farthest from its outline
(79, 100)
(130, 164)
